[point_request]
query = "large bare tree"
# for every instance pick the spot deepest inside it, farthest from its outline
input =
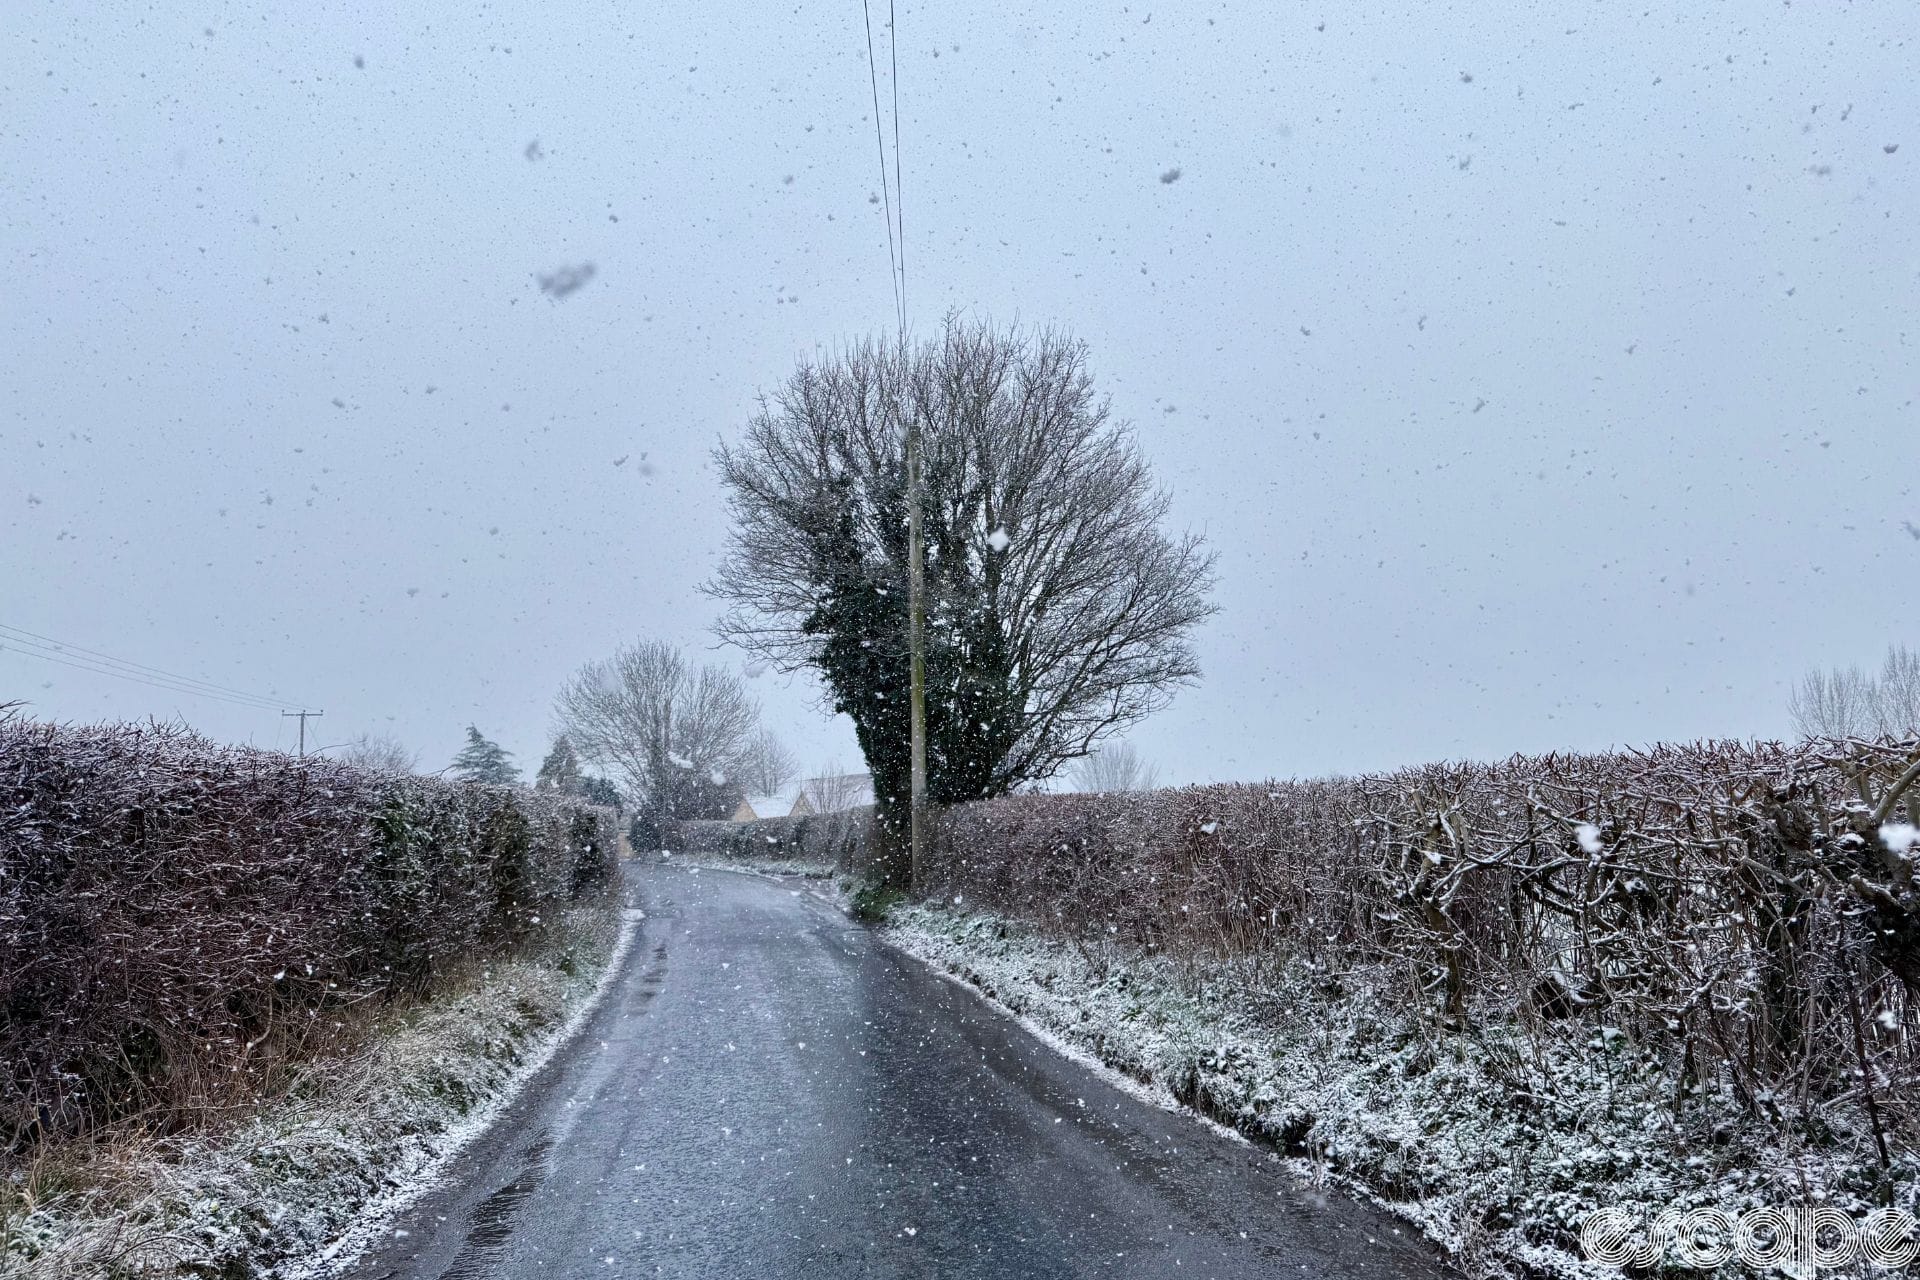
(1113, 766)
(679, 737)
(766, 766)
(1847, 703)
(1897, 706)
(380, 751)
(1058, 609)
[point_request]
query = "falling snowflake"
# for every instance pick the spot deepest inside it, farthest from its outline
(565, 280)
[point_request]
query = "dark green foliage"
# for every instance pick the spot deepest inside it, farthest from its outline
(508, 846)
(560, 771)
(681, 795)
(973, 716)
(874, 900)
(600, 791)
(483, 760)
(594, 863)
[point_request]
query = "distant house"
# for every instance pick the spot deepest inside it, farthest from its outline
(788, 804)
(836, 792)
(830, 794)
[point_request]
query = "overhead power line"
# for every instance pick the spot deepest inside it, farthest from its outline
(95, 654)
(15, 648)
(899, 196)
(32, 644)
(895, 273)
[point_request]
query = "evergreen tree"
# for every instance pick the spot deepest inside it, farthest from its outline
(560, 771)
(482, 760)
(600, 791)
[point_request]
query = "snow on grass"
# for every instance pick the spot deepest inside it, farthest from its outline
(1495, 1142)
(302, 1187)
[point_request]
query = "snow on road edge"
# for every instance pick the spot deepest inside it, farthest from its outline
(1153, 1092)
(1139, 1031)
(377, 1214)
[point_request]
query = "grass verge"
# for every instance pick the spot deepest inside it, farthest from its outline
(298, 1187)
(1494, 1143)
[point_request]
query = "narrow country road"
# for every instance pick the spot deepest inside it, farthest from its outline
(768, 1091)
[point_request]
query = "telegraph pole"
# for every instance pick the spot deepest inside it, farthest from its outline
(916, 646)
(303, 726)
(916, 558)
(916, 568)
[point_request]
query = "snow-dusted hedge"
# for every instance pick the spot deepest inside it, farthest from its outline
(180, 921)
(836, 840)
(1748, 917)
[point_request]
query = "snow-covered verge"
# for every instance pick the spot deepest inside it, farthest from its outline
(1494, 1142)
(304, 1184)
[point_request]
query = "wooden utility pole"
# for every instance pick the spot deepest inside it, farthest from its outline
(916, 647)
(303, 727)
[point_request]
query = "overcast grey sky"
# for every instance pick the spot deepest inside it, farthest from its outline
(1544, 374)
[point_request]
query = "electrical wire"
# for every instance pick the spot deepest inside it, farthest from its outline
(899, 196)
(32, 644)
(108, 671)
(894, 273)
(33, 640)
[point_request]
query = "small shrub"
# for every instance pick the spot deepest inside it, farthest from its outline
(873, 901)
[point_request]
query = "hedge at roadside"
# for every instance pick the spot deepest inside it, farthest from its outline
(839, 840)
(1749, 916)
(181, 922)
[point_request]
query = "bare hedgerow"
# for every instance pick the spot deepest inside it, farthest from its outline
(181, 922)
(1748, 914)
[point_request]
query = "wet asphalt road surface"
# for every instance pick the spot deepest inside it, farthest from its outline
(768, 1091)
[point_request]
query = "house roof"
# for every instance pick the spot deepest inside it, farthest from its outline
(770, 806)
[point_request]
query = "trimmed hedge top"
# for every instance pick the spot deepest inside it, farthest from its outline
(177, 916)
